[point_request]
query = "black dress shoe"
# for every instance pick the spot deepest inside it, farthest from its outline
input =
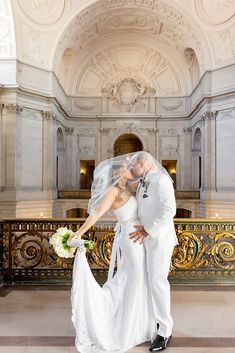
(159, 343)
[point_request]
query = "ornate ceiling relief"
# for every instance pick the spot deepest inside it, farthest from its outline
(42, 11)
(224, 44)
(67, 60)
(33, 46)
(7, 36)
(157, 20)
(128, 93)
(215, 12)
(114, 64)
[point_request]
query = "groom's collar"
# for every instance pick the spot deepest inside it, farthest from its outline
(148, 174)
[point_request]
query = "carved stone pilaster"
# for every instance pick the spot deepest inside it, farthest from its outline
(209, 116)
(187, 130)
(69, 130)
(10, 108)
(152, 131)
(19, 109)
(104, 130)
(47, 115)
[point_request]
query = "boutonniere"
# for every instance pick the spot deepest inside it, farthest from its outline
(145, 183)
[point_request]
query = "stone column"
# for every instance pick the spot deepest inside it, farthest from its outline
(49, 154)
(103, 143)
(70, 157)
(186, 160)
(209, 152)
(8, 156)
(9, 130)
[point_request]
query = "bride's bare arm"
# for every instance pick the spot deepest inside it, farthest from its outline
(98, 212)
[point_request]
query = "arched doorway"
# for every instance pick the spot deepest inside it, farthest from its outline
(183, 213)
(127, 143)
(77, 213)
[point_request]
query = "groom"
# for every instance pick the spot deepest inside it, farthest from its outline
(156, 209)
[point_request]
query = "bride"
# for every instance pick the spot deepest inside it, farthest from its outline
(117, 316)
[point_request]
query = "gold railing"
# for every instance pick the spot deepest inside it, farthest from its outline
(205, 253)
(86, 194)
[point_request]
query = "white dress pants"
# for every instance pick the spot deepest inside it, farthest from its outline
(158, 258)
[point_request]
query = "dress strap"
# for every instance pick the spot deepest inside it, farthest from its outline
(116, 253)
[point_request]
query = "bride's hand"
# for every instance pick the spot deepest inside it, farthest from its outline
(74, 236)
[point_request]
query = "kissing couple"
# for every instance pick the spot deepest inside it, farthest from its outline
(133, 305)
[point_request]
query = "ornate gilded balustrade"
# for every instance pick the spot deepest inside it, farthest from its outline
(205, 253)
(86, 194)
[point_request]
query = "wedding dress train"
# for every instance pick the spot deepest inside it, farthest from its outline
(117, 316)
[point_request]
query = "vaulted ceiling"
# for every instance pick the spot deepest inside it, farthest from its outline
(167, 45)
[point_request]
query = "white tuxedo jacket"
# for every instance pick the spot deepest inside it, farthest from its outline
(156, 211)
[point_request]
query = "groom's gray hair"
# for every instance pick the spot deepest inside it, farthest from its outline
(144, 156)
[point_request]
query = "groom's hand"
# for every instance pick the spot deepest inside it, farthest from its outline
(140, 234)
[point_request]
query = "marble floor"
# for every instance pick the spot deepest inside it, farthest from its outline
(37, 319)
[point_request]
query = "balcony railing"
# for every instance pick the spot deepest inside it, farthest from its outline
(86, 194)
(205, 254)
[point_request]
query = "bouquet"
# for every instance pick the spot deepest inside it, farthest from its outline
(59, 242)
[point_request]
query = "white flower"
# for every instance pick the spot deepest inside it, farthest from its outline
(59, 242)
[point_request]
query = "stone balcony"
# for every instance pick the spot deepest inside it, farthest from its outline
(86, 194)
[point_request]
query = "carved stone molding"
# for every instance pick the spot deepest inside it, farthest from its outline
(86, 132)
(86, 108)
(171, 107)
(227, 114)
(13, 108)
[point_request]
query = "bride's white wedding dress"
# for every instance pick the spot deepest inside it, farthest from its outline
(118, 316)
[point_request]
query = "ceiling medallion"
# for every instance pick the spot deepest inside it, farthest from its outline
(129, 92)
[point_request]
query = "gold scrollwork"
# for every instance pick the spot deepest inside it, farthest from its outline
(222, 254)
(189, 253)
(30, 250)
(103, 249)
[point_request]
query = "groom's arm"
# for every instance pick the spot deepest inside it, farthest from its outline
(167, 205)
